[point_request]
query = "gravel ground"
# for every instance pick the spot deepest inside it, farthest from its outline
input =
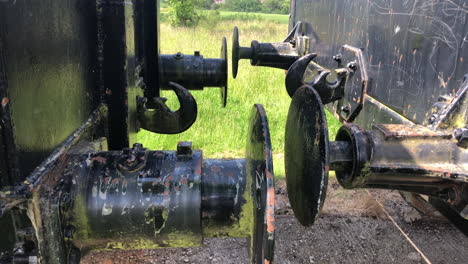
(355, 227)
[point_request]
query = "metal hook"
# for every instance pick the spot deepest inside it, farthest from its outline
(296, 73)
(161, 119)
(328, 91)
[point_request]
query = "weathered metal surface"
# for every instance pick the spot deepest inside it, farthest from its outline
(136, 199)
(112, 54)
(39, 196)
(451, 111)
(395, 154)
(159, 118)
(295, 75)
(223, 190)
(277, 55)
(146, 19)
(390, 156)
(260, 184)
(413, 50)
(48, 65)
(306, 155)
(195, 72)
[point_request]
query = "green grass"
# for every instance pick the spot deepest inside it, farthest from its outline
(222, 132)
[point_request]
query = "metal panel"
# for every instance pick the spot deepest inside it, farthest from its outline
(415, 50)
(49, 55)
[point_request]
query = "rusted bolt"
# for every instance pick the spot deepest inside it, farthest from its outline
(352, 65)
(345, 109)
(433, 118)
(184, 148)
(179, 55)
(68, 232)
(338, 57)
(138, 146)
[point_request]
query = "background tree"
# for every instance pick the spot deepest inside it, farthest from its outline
(182, 13)
(243, 5)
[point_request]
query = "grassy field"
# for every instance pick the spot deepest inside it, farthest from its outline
(222, 132)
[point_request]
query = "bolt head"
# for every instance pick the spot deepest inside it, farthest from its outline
(184, 148)
(337, 57)
(461, 135)
(353, 65)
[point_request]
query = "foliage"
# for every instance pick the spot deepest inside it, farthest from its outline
(205, 4)
(182, 13)
(243, 5)
(276, 6)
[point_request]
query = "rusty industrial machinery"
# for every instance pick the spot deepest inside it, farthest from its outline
(78, 79)
(394, 73)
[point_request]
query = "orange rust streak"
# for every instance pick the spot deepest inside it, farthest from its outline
(183, 181)
(215, 169)
(4, 101)
(101, 160)
(167, 182)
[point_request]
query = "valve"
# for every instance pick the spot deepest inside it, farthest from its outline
(389, 156)
(195, 72)
(277, 55)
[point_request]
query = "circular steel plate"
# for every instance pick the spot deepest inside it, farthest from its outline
(260, 178)
(224, 56)
(306, 155)
(235, 52)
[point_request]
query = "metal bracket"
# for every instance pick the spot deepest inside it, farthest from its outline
(356, 85)
(329, 91)
(448, 108)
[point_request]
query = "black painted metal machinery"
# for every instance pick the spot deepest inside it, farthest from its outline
(78, 78)
(399, 89)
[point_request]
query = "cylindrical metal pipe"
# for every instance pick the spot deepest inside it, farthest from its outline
(224, 198)
(149, 199)
(136, 199)
(223, 186)
(192, 71)
(401, 155)
(278, 55)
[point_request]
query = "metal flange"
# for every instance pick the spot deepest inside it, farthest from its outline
(306, 154)
(260, 179)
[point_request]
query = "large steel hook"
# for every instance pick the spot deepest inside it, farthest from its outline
(159, 118)
(329, 91)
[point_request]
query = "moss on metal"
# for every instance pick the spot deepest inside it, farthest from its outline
(80, 219)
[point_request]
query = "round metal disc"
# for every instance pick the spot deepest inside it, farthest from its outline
(306, 155)
(235, 52)
(260, 178)
(225, 69)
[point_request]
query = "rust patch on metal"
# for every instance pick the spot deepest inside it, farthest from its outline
(397, 131)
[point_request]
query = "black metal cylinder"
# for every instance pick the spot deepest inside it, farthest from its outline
(192, 71)
(409, 158)
(278, 55)
(224, 197)
(137, 199)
